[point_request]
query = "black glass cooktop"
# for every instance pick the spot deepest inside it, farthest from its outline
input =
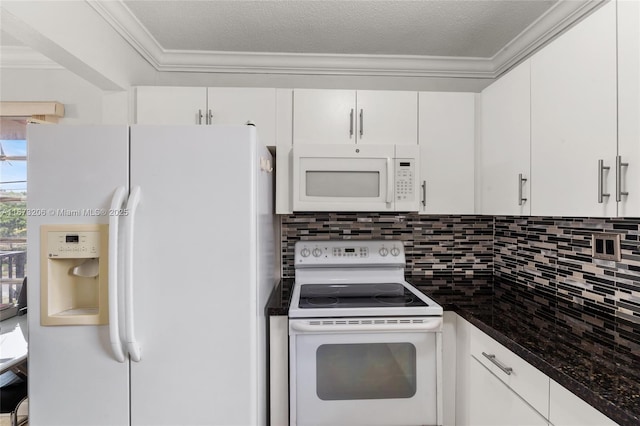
(357, 296)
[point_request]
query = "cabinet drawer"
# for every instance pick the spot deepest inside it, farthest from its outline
(527, 381)
(568, 409)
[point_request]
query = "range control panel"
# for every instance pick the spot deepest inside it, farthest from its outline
(73, 244)
(356, 253)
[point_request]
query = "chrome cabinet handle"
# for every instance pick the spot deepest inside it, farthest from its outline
(492, 358)
(619, 166)
(351, 123)
(361, 123)
(424, 193)
(209, 119)
(601, 169)
(521, 182)
(199, 117)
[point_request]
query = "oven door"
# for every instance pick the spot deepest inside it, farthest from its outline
(365, 372)
(343, 178)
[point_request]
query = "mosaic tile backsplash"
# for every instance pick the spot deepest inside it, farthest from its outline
(434, 245)
(550, 255)
(553, 256)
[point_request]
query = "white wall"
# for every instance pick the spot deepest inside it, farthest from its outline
(84, 103)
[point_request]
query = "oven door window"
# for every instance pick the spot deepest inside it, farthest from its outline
(366, 371)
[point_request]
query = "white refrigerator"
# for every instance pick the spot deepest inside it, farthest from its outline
(187, 290)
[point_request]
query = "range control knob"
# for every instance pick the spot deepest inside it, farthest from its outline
(395, 251)
(384, 252)
(305, 252)
(317, 252)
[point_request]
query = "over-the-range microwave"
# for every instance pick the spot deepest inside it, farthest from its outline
(363, 178)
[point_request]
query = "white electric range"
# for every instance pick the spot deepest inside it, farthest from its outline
(365, 345)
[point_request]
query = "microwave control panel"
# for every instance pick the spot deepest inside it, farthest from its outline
(405, 180)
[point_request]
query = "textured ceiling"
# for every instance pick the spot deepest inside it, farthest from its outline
(451, 28)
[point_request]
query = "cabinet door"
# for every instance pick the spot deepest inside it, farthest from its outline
(629, 106)
(566, 409)
(573, 120)
(324, 116)
(387, 117)
(234, 105)
(170, 105)
(505, 145)
(447, 154)
(491, 402)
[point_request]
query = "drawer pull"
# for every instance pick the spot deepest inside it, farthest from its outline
(492, 358)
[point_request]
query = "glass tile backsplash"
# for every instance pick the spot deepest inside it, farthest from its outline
(550, 254)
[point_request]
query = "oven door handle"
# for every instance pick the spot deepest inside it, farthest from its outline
(432, 325)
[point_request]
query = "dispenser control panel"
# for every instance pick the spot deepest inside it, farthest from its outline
(73, 244)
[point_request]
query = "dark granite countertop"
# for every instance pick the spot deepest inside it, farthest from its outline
(592, 353)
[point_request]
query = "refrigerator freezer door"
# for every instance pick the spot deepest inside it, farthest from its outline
(74, 378)
(194, 276)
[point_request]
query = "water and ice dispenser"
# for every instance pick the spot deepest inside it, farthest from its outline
(73, 275)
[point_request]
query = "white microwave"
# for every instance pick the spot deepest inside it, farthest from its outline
(363, 178)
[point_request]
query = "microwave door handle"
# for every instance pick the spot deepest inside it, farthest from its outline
(389, 182)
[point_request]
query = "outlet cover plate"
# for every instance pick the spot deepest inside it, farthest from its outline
(605, 246)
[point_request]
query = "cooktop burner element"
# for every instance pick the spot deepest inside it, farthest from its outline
(321, 301)
(330, 282)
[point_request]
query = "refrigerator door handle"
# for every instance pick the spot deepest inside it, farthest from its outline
(132, 344)
(114, 326)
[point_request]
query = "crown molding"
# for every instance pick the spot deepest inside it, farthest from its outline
(558, 18)
(24, 57)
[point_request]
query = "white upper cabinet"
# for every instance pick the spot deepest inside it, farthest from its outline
(504, 148)
(201, 105)
(233, 105)
(573, 120)
(349, 116)
(170, 105)
(324, 116)
(387, 117)
(628, 109)
(446, 127)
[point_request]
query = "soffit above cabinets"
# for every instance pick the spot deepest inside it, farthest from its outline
(430, 38)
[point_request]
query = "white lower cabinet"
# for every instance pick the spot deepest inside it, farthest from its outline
(496, 387)
(520, 376)
(278, 370)
(566, 409)
(493, 403)
(504, 389)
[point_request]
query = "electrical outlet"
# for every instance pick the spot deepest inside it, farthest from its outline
(605, 246)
